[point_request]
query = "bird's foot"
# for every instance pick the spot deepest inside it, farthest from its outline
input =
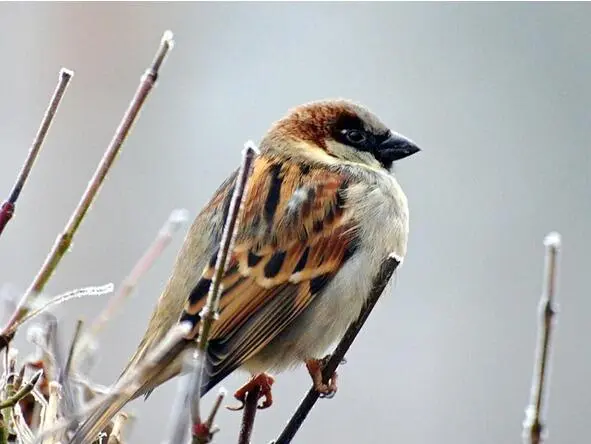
(315, 367)
(262, 384)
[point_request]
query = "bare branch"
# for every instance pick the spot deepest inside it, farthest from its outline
(248, 416)
(125, 386)
(176, 219)
(209, 313)
(534, 431)
(119, 422)
(64, 240)
(60, 299)
(380, 282)
(7, 209)
(203, 432)
(51, 413)
(22, 392)
(179, 416)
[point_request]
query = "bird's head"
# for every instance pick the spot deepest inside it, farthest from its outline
(341, 130)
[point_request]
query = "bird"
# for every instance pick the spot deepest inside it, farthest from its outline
(323, 209)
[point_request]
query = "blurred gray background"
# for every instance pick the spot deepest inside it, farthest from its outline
(498, 97)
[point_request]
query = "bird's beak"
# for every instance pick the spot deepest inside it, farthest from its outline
(395, 148)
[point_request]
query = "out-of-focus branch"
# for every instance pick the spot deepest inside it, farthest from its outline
(64, 240)
(51, 413)
(119, 422)
(42, 305)
(179, 413)
(176, 219)
(534, 431)
(209, 313)
(7, 209)
(3, 432)
(21, 393)
(380, 282)
(129, 384)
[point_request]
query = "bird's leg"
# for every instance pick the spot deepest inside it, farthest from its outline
(263, 383)
(315, 367)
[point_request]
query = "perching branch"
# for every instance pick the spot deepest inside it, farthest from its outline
(209, 313)
(380, 282)
(248, 416)
(64, 240)
(534, 431)
(7, 209)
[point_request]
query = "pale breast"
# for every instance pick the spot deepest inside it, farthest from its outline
(382, 220)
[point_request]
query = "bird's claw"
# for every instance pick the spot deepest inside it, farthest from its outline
(262, 383)
(325, 390)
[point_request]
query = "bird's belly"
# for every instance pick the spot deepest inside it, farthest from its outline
(383, 229)
(322, 323)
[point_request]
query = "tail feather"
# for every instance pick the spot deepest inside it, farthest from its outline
(168, 366)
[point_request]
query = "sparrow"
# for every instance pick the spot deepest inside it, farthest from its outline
(322, 211)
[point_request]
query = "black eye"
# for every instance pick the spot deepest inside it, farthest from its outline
(356, 137)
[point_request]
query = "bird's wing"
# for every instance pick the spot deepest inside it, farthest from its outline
(295, 233)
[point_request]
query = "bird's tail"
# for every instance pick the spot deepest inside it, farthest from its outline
(136, 380)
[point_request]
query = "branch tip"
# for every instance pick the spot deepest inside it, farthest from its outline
(168, 38)
(66, 73)
(553, 240)
(64, 240)
(250, 148)
(534, 427)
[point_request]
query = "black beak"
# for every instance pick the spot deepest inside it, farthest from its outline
(394, 148)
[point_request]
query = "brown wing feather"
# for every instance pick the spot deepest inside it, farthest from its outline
(295, 234)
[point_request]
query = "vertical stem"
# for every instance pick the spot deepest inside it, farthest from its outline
(7, 209)
(250, 410)
(209, 312)
(533, 426)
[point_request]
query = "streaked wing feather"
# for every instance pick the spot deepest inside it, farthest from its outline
(295, 234)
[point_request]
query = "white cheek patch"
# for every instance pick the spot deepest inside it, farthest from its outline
(351, 154)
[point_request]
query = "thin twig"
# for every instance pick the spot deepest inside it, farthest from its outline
(7, 209)
(22, 392)
(119, 421)
(22, 429)
(96, 411)
(203, 432)
(60, 299)
(534, 430)
(51, 413)
(250, 410)
(3, 432)
(209, 423)
(67, 401)
(380, 282)
(9, 387)
(71, 350)
(210, 310)
(64, 240)
(179, 413)
(176, 219)
(209, 313)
